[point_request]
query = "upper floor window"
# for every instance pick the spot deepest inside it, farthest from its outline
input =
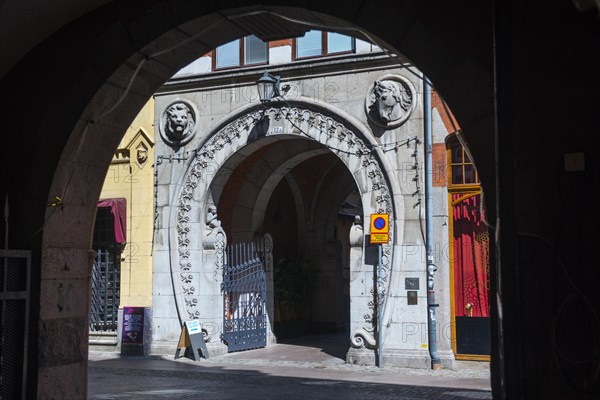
(318, 43)
(241, 52)
(462, 169)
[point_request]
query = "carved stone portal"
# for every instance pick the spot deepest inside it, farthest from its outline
(343, 141)
(390, 101)
(178, 123)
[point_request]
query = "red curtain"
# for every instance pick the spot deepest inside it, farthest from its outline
(118, 208)
(471, 257)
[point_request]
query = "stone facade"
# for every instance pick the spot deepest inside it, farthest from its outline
(335, 110)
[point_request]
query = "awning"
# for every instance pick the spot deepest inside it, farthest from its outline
(118, 208)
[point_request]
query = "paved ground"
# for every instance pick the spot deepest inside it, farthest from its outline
(304, 369)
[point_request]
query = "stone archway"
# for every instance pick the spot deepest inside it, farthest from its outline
(72, 138)
(196, 239)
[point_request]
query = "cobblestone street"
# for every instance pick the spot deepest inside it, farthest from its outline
(282, 371)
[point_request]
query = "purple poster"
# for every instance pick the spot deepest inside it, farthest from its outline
(133, 325)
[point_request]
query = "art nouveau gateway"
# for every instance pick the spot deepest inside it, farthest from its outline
(261, 216)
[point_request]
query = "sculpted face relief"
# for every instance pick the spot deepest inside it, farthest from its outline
(178, 123)
(390, 101)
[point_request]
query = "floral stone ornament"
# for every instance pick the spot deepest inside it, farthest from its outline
(390, 101)
(178, 123)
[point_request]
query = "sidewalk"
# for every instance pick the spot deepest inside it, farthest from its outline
(318, 360)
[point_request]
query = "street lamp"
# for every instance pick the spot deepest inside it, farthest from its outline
(268, 87)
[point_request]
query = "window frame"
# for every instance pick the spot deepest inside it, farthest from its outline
(324, 48)
(242, 55)
(452, 143)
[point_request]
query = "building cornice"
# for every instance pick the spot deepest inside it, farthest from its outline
(326, 66)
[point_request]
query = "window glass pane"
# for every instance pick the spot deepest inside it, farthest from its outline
(467, 159)
(104, 228)
(457, 153)
(457, 175)
(309, 44)
(255, 51)
(336, 43)
(470, 176)
(228, 55)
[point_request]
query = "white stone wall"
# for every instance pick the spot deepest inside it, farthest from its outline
(343, 96)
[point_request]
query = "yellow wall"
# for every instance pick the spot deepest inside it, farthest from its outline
(128, 178)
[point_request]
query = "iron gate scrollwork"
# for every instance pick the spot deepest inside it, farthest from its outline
(244, 294)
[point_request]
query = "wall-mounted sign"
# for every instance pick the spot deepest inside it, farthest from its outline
(411, 283)
(380, 228)
(412, 297)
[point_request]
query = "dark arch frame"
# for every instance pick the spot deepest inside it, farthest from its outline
(94, 58)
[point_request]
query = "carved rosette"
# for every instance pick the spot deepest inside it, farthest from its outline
(310, 124)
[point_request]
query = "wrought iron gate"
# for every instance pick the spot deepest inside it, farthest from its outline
(244, 294)
(105, 291)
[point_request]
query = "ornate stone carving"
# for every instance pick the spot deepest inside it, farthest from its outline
(178, 123)
(312, 124)
(213, 229)
(390, 101)
(268, 242)
(220, 243)
(356, 233)
(362, 338)
(141, 154)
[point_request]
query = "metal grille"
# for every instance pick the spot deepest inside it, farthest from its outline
(15, 268)
(105, 289)
(244, 293)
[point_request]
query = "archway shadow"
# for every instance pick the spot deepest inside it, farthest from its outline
(333, 344)
(159, 377)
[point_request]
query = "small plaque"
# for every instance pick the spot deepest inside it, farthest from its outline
(411, 283)
(380, 238)
(411, 296)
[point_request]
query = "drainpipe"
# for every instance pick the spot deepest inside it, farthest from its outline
(436, 363)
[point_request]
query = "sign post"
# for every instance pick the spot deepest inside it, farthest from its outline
(380, 234)
(191, 341)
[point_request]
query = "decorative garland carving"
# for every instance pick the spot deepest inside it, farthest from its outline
(341, 140)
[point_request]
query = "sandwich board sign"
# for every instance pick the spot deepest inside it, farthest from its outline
(380, 228)
(191, 341)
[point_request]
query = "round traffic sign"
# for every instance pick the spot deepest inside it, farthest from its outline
(379, 223)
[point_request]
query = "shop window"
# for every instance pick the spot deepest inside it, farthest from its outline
(319, 43)
(241, 52)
